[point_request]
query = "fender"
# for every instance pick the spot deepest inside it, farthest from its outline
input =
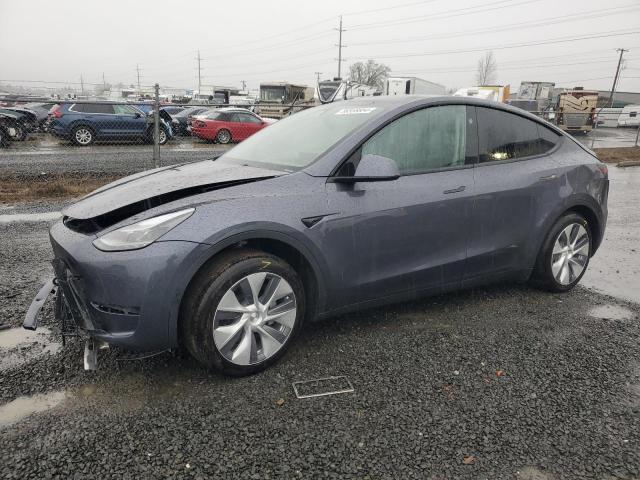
(250, 231)
(578, 200)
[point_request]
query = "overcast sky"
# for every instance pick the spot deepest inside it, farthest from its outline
(251, 40)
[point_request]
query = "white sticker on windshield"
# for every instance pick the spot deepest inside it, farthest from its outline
(355, 110)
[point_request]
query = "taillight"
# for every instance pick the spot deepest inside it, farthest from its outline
(55, 111)
(603, 169)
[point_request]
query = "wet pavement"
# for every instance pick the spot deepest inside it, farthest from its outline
(615, 269)
(609, 138)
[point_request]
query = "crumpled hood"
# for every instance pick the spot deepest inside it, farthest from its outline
(163, 185)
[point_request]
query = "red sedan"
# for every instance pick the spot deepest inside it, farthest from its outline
(227, 125)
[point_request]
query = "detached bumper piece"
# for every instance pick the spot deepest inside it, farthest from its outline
(31, 319)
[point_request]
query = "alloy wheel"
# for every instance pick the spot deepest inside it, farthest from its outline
(570, 254)
(254, 318)
(224, 136)
(83, 136)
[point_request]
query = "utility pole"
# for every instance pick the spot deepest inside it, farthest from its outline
(138, 70)
(244, 85)
(104, 84)
(615, 79)
(81, 85)
(199, 73)
(340, 45)
(318, 76)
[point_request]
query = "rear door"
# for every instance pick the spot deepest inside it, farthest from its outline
(516, 182)
(101, 117)
(406, 236)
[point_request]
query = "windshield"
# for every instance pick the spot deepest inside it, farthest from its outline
(271, 94)
(297, 141)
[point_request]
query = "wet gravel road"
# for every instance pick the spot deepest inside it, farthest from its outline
(500, 382)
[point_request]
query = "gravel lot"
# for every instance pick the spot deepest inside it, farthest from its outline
(501, 382)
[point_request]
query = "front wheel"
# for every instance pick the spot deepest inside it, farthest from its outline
(564, 256)
(242, 311)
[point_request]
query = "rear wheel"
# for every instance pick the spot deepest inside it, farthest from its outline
(242, 311)
(564, 256)
(82, 136)
(223, 136)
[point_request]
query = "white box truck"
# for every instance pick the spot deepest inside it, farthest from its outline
(412, 86)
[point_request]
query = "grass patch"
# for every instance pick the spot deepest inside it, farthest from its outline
(49, 187)
(617, 155)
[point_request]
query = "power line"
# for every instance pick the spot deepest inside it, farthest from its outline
(522, 25)
(513, 45)
(394, 7)
(487, 7)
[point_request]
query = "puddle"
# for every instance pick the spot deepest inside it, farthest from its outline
(18, 346)
(532, 473)
(30, 217)
(611, 312)
(22, 407)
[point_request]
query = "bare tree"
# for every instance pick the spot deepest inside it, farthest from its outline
(369, 73)
(487, 69)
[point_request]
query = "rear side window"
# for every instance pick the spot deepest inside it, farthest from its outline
(425, 140)
(92, 108)
(548, 138)
(246, 118)
(505, 136)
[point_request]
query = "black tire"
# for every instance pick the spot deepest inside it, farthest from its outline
(22, 134)
(82, 136)
(223, 136)
(542, 276)
(164, 136)
(205, 293)
(4, 137)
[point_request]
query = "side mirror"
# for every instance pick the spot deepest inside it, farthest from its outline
(137, 115)
(372, 168)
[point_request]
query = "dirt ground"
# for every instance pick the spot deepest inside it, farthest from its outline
(618, 155)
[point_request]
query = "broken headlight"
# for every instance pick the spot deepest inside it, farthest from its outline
(141, 234)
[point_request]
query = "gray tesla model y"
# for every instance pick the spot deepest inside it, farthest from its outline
(337, 208)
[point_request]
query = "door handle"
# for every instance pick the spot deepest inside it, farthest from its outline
(549, 177)
(455, 190)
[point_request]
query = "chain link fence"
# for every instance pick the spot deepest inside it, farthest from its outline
(149, 127)
(154, 128)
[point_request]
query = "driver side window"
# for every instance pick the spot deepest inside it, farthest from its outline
(425, 140)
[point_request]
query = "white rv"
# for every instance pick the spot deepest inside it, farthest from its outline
(629, 116)
(338, 89)
(412, 86)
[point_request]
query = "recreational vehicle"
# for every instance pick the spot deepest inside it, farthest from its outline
(412, 86)
(338, 89)
(279, 99)
(576, 110)
(629, 116)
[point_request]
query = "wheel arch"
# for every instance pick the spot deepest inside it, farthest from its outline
(585, 206)
(276, 243)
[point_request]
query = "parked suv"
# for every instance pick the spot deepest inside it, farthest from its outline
(84, 123)
(344, 206)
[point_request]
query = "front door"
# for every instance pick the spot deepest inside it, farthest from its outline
(407, 236)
